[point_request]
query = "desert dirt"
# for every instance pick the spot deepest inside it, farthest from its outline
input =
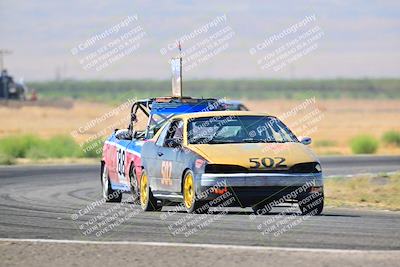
(332, 122)
(59, 253)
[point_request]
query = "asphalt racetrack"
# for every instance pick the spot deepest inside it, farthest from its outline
(64, 203)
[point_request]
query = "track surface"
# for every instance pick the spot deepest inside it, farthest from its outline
(40, 202)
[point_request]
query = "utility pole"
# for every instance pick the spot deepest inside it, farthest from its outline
(3, 52)
(176, 66)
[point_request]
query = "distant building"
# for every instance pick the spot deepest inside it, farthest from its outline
(10, 89)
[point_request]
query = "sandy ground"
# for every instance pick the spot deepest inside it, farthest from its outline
(54, 254)
(335, 121)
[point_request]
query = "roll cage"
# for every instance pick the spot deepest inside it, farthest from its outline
(159, 110)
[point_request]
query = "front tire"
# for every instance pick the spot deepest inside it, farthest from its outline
(192, 205)
(109, 195)
(134, 186)
(147, 201)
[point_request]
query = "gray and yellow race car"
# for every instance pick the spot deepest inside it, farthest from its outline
(196, 158)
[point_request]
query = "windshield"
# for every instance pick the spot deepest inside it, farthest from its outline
(238, 129)
(162, 112)
(156, 121)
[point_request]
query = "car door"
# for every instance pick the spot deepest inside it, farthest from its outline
(168, 167)
(121, 167)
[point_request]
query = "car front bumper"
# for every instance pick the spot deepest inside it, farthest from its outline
(260, 179)
(250, 188)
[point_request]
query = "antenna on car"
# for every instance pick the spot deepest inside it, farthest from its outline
(176, 66)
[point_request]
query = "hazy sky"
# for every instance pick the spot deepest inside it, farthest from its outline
(326, 40)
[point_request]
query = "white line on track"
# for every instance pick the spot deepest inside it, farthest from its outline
(213, 246)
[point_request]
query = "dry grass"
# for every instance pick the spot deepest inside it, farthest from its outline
(49, 121)
(340, 121)
(377, 191)
(62, 161)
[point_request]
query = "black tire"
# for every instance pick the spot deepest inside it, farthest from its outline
(147, 201)
(193, 205)
(312, 205)
(134, 186)
(261, 208)
(109, 194)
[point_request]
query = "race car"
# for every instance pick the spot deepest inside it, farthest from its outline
(233, 105)
(121, 159)
(198, 157)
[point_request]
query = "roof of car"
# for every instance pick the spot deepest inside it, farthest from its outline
(221, 113)
(231, 102)
(185, 99)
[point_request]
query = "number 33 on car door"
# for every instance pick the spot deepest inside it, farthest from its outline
(121, 165)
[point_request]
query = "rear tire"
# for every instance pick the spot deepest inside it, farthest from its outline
(109, 195)
(147, 201)
(192, 205)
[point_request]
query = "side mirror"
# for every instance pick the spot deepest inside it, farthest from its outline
(173, 143)
(306, 140)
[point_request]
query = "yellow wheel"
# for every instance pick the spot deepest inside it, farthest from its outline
(192, 204)
(188, 190)
(147, 200)
(143, 189)
(134, 186)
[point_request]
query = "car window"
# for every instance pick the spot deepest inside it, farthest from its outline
(238, 129)
(161, 138)
(156, 121)
(179, 131)
(175, 131)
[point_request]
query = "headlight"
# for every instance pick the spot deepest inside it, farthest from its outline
(318, 167)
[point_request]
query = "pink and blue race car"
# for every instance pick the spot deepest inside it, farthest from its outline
(121, 161)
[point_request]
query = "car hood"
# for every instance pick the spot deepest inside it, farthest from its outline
(240, 154)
